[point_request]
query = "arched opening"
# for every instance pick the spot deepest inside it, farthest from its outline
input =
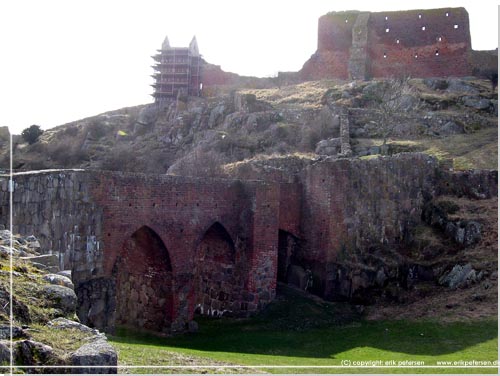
(217, 281)
(143, 275)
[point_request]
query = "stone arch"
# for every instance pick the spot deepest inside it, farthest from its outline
(143, 275)
(217, 280)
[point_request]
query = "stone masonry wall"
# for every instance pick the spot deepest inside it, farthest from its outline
(350, 205)
(57, 208)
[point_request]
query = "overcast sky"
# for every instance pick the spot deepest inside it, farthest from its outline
(63, 60)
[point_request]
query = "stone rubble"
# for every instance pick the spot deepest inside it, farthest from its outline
(59, 292)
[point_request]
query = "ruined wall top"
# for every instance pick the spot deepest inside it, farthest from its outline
(417, 43)
(412, 28)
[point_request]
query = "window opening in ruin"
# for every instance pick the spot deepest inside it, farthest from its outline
(143, 272)
(386, 18)
(416, 56)
(437, 52)
(346, 20)
(423, 28)
(385, 55)
(397, 41)
(419, 16)
(455, 26)
(439, 39)
(447, 14)
(387, 30)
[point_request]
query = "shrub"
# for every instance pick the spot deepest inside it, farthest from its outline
(32, 134)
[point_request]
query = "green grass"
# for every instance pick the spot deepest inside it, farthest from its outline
(467, 151)
(272, 340)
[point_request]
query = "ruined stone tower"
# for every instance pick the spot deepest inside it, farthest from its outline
(177, 70)
(418, 43)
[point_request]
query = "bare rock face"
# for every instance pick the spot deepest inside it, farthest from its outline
(98, 353)
(463, 232)
(459, 277)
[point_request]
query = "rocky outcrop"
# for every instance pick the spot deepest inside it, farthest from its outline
(56, 298)
(463, 232)
(460, 276)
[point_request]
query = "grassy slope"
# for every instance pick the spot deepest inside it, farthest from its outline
(269, 340)
(467, 151)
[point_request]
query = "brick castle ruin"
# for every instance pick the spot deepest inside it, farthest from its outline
(363, 45)
(150, 251)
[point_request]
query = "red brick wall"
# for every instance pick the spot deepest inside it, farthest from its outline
(439, 50)
(180, 211)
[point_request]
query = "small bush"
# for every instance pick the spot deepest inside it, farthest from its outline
(449, 207)
(32, 134)
(96, 129)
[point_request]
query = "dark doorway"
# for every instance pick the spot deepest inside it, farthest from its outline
(287, 254)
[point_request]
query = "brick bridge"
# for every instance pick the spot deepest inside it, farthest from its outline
(150, 251)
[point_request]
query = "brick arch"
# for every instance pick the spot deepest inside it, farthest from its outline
(144, 282)
(218, 275)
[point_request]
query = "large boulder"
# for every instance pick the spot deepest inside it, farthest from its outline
(61, 297)
(476, 102)
(17, 332)
(450, 128)
(31, 353)
(98, 353)
(459, 277)
(64, 323)
(331, 146)
(56, 279)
